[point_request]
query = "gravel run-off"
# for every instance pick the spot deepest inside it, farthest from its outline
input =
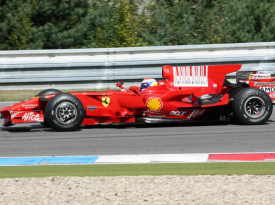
(203, 189)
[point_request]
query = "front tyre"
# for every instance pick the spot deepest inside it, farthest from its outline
(45, 123)
(252, 106)
(64, 112)
(47, 92)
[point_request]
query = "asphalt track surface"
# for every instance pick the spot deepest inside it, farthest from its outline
(35, 140)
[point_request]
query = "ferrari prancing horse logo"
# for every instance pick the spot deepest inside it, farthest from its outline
(106, 101)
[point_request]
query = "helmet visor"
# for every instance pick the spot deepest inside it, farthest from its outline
(144, 85)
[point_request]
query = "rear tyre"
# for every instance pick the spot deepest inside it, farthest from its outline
(64, 112)
(252, 106)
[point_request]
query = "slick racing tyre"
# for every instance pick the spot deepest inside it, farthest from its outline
(48, 92)
(64, 112)
(45, 123)
(252, 106)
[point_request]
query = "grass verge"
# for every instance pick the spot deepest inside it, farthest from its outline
(240, 168)
(17, 95)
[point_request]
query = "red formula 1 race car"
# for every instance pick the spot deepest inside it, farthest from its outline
(188, 93)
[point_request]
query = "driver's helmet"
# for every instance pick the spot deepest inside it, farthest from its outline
(148, 82)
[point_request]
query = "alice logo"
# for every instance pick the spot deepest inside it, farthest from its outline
(154, 104)
(30, 116)
(106, 101)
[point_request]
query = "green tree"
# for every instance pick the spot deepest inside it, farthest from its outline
(19, 38)
(116, 23)
(47, 24)
(60, 23)
(244, 21)
(173, 22)
(54, 24)
(179, 22)
(15, 24)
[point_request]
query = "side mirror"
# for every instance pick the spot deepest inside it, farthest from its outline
(119, 84)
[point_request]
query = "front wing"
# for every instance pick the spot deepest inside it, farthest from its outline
(14, 117)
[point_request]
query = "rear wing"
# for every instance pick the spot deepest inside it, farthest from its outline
(245, 76)
(198, 76)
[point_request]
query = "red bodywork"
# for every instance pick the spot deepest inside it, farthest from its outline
(176, 98)
(262, 81)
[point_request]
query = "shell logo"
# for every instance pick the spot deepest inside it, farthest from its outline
(154, 104)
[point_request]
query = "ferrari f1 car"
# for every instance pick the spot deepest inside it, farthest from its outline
(187, 93)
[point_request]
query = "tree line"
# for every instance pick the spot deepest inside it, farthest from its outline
(62, 24)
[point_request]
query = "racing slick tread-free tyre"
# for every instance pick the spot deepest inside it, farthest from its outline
(252, 106)
(45, 123)
(64, 112)
(47, 92)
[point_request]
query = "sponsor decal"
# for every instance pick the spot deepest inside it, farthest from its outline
(268, 89)
(259, 76)
(191, 76)
(273, 101)
(166, 70)
(178, 113)
(196, 113)
(264, 83)
(30, 116)
(13, 115)
(154, 104)
(30, 105)
(91, 107)
(215, 85)
(106, 101)
(272, 95)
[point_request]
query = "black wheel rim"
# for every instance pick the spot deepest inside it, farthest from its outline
(254, 107)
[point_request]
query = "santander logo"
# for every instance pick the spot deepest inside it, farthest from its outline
(30, 116)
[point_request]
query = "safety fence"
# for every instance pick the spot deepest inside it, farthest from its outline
(101, 68)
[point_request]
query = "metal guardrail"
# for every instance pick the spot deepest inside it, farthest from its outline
(100, 68)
